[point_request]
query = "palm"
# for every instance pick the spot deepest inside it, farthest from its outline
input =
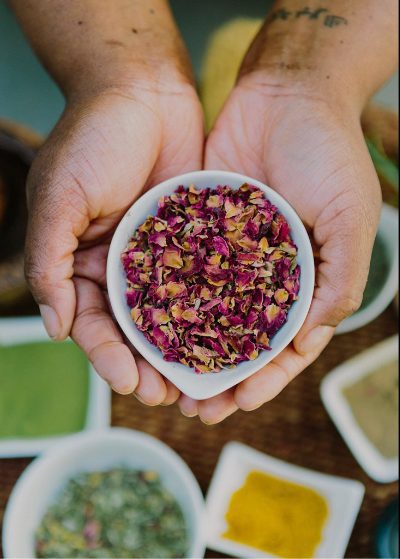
(318, 161)
(99, 159)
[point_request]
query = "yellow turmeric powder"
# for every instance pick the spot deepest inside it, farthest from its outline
(276, 516)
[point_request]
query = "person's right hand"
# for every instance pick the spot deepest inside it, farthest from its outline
(103, 153)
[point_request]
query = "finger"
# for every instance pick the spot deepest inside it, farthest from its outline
(58, 215)
(173, 393)
(151, 389)
(216, 409)
(346, 242)
(96, 333)
(267, 383)
(188, 406)
(91, 263)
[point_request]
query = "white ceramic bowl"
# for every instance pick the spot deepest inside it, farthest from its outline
(388, 232)
(206, 385)
(45, 477)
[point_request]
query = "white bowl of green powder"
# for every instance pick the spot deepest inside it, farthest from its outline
(383, 278)
(110, 493)
(48, 390)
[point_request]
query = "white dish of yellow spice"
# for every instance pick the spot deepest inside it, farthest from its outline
(361, 396)
(258, 506)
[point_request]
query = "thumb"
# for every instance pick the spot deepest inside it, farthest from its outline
(58, 216)
(341, 277)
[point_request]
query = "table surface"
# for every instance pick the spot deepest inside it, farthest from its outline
(293, 427)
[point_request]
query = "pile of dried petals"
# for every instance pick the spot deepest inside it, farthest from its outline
(212, 276)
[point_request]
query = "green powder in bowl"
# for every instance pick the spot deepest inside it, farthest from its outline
(44, 390)
(378, 272)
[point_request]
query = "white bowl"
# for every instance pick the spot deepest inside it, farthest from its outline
(38, 486)
(194, 385)
(343, 496)
(30, 329)
(378, 467)
(388, 231)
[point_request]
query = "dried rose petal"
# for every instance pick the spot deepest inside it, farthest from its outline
(211, 277)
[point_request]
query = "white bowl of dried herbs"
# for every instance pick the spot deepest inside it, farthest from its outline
(210, 275)
(113, 493)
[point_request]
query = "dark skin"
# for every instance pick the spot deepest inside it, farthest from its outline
(133, 118)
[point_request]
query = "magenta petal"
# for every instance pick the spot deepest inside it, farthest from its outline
(221, 246)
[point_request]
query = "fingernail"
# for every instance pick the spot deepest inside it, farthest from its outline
(125, 391)
(186, 414)
(253, 407)
(315, 340)
(50, 320)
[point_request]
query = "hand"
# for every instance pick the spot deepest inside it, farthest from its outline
(314, 154)
(103, 153)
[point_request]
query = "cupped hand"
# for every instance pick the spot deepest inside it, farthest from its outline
(311, 150)
(104, 152)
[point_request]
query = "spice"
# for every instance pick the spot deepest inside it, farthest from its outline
(276, 516)
(117, 513)
(44, 389)
(374, 402)
(212, 276)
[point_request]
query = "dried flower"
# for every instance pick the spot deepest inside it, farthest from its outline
(211, 277)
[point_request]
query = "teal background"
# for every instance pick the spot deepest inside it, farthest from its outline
(29, 96)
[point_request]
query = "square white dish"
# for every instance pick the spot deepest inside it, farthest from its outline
(14, 331)
(344, 497)
(377, 466)
(202, 386)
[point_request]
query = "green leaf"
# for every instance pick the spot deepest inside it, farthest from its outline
(383, 165)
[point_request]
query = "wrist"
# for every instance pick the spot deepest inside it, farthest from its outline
(154, 75)
(316, 51)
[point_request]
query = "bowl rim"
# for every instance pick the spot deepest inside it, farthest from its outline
(74, 443)
(196, 386)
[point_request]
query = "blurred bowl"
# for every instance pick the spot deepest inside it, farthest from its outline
(201, 386)
(388, 236)
(40, 483)
(18, 147)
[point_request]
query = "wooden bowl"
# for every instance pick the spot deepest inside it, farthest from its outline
(18, 147)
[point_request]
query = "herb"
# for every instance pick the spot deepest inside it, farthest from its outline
(212, 276)
(117, 513)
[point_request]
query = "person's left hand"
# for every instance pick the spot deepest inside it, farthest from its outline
(314, 154)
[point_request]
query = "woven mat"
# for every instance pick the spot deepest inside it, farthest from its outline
(293, 427)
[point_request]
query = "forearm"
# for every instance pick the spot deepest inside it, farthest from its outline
(91, 44)
(341, 47)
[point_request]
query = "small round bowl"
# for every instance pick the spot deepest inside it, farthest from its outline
(388, 233)
(38, 486)
(201, 386)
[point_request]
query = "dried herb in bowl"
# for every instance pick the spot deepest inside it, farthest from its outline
(212, 276)
(117, 513)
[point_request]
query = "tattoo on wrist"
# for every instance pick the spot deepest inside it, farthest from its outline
(318, 14)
